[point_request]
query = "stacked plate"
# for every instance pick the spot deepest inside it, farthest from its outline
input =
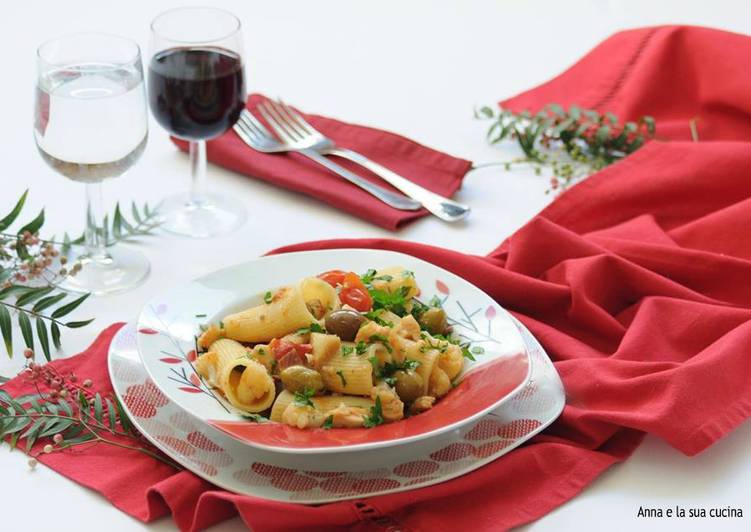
(507, 395)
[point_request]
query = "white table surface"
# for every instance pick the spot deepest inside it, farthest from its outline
(417, 68)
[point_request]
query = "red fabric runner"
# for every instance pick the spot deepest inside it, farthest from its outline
(432, 169)
(636, 282)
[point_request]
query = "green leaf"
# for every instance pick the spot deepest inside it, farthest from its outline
(111, 414)
(34, 225)
(557, 109)
(33, 294)
(32, 432)
(98, 408)
(25, 325)
(55, 329)
(574, 112)
(13, 214)
(122, 416)
(650, 123)
(6, 328)
(65, 406)
(69, 307)
(43, 338)
(78, 324)
(117, 222)
(136, 214)
(48, 302)
(603, 133)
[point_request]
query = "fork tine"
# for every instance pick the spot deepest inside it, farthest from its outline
(297, 118)
(289, 121)
(286, 134)
(255, 124)
(249, 131)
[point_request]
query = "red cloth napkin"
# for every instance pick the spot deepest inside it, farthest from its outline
(635, 281)
(432, 169)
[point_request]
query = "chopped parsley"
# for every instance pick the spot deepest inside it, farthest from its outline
(373, 315)
(347, 350)
(328, 423)
(255, 418)
(466, 353)
(375, 417)
(382, 339)
(441, 344)
(341, 377)
(408, 273)
(221, 325)
(371, 275)
(267, 298)
(201, 315)
(314, 327)
(303, 398)
(392, 301)
(361, 347)
(389, 368)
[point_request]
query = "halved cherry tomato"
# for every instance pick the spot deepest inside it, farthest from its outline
(280, 348)
(290, 359)
(333, 277)
(357, 298)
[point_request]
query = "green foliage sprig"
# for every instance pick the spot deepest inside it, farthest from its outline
(61, 424)
(574, 143)
(32, 268)
(143, 222)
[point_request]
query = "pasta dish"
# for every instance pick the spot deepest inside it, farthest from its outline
(337, 350)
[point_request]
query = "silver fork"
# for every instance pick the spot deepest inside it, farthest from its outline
(299, 134)
(255, 135)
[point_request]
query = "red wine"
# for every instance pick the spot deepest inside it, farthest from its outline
(196, 93)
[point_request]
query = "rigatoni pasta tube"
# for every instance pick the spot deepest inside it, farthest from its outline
(244, 382)
(285, 313)
(323, 403)
(349, 374)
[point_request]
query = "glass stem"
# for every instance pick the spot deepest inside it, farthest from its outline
(197, 150)
(96, 233)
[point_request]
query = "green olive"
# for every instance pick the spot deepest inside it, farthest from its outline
(297, 378)
(434, 321)
(344, 323)
(408, 385)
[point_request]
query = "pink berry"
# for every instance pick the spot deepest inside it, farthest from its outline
(33, 463)
(87, 383)
(28, 353)
(47, 449)
(57, 438)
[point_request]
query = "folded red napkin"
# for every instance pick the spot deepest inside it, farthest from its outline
(635, 281)
(432, 169)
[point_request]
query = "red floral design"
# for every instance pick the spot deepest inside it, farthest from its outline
(324, 474)
(208, 469)
(484, 429)
(441, 287)
(268, 470)
(143, 400)
(146, 330)
(202, 442)
(455, 451)
(492, 447)
(294, 482)
(416, 468)
(490, 312)
(375, 484)
(191, 356)
(180, 446)
(189, 389)
(338, 484)
(171, 360)
(194, 379)
(518, 428)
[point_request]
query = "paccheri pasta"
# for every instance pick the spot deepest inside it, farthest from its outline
(332, 351)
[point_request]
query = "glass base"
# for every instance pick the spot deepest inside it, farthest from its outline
(213, 215)
(122, 270)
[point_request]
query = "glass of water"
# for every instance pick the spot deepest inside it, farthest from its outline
(90, 124)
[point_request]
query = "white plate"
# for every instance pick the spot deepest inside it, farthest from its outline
(229, 464)
(168, 325)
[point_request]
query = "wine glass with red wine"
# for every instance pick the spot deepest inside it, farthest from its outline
(196, 88)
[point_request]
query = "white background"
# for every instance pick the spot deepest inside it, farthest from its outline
(415, 67)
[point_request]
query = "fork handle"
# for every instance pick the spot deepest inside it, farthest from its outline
(444, 208)
(390, 198)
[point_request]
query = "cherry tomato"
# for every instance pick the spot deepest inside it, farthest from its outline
(352, 280)
(357, 298)
(333, 277)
